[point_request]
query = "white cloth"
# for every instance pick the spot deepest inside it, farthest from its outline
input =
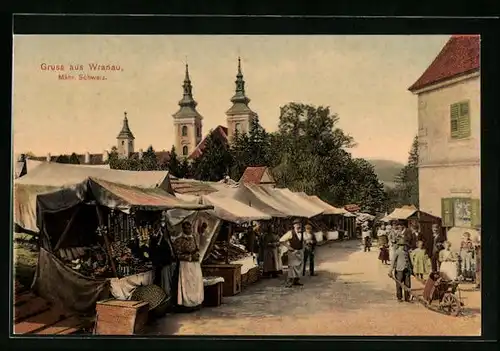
(449, 270)
(208, 281)
(190, 288)
(381, 232)
(122, 288)
(332, 235)
(295, 263)
(308, 237)
(366, 234)
(319, 236)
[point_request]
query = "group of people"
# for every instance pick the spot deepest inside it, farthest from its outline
(299, 246)
(404, 248)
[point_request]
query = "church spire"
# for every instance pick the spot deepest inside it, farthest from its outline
(187, 98)
(239, 96)
(125, 133)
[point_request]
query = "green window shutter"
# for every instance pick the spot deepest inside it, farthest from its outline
(464, 121)
(454, 117)
(475, 213)
(447, 212)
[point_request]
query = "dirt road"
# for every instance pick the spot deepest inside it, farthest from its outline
(351, 295)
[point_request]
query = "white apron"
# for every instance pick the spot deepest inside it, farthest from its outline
(295, 263)
(190, 288)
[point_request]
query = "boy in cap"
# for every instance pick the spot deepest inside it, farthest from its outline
(294, 242)
(401, 270)
(309, 248)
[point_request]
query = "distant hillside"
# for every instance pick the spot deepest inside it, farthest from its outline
(386, 170)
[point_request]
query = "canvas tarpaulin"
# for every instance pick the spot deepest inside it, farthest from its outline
(233, 211)
(282, 202)
(308, 209)
(328, 209)
(32, 201)
(78, 294)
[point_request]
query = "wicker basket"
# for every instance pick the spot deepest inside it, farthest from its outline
(152, 294)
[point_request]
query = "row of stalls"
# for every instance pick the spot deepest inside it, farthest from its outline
(105, 233)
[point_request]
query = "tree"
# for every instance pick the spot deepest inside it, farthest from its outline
(215, 161)
(73, 159)
(173, 165)
(250, 150)
(62, 159)
(149, 161)
(406, 191)
(185, 169)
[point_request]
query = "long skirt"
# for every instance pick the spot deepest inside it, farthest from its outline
(295, 263)
(467, 265)
(449, 270)
(271, 260)
(384, 254)
(190, 288)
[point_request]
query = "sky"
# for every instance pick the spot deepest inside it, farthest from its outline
(364, 79)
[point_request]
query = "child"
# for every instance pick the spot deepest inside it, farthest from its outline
(384, 253)
(448, 263)
(421, 262)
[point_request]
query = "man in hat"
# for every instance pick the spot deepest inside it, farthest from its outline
(437, 246)
(402, 270)
(309, 248)
(294, 242)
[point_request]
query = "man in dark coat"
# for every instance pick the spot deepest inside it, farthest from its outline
(407, 235)
(437, 245)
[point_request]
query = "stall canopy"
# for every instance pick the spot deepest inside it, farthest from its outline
(233, 211)
(403, 213)
(32, 201)
(254, 199)
(327, 208)
(308, 208)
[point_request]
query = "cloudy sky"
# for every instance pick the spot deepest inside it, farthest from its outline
(362, 78)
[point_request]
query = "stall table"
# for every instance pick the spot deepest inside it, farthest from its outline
(231, 274)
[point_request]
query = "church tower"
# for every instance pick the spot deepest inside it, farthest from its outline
(187, 121)
(125, 140)
(239, 116)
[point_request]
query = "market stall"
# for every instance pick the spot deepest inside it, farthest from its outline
(100, 238)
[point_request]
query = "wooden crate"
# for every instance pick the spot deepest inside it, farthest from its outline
(116, 317)
(213, 295)
(231, 274)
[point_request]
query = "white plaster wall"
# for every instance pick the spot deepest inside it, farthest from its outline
(436, 183)
(436, 145)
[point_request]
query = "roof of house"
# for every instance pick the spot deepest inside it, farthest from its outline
(219, 131)
(97, 159)
(459, 56)
(253, 175)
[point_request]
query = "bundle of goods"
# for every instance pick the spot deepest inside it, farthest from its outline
(231, 251)
(91, 262)
(155, 296)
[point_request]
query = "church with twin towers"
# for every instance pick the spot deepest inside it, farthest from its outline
(188, 122)
(188, 125)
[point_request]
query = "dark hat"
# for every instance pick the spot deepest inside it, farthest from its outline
(297, 221)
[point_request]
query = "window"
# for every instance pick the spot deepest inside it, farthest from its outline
(184, 150)
(460, 120)
(184, 131)
(237, 128)
(461, 212)
(123, 142)
(198, 132)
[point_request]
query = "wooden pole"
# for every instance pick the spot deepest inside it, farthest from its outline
(229, 233)
(106, 241)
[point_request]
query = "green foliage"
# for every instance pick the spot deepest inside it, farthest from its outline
(62, 159)
(149, 161)
(215, 161)
(73, 159)
(250, 150)
(406, 191)
(186, 169)
(173, 164)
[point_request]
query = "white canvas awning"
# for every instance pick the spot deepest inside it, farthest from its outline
(327, 208)
(400, 213)
(232, 210)
(308, 209)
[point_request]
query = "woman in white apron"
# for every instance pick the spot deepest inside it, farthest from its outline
(190, 286)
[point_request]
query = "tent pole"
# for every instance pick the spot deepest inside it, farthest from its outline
(66, 230)
(106, 241)
(229, 234)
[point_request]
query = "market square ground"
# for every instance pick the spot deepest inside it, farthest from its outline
(352, 295)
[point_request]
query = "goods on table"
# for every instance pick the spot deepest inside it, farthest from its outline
(218, 253)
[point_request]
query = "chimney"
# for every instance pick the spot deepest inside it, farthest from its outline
(141, 152)
(48, 157)
(87, 157)
(105, 156)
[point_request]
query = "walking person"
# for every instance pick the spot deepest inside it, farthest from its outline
(294, 242)
(367, 239)
(309, 248)
(402, 270)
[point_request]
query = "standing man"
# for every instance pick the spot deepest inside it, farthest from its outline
(402, 270)
(415, 237)
(437, 245)
(407, 234)
(294, 242)
(309, 248)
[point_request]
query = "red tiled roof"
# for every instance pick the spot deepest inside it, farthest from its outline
(352, 208)
(220, 131)
(459, 56)
(253, 175)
